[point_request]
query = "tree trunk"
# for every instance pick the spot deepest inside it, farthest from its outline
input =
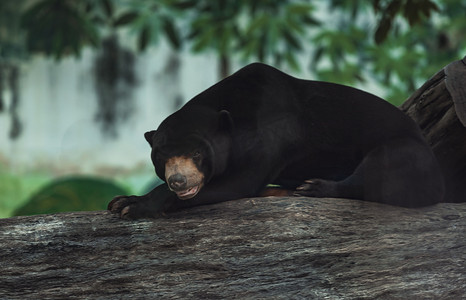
(263, 248)
(439, 108)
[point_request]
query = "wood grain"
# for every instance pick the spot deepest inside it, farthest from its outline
(262, 248)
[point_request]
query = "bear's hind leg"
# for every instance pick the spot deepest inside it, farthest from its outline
(350, 188)
(402, 172)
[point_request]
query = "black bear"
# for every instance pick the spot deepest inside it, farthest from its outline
(261, 126)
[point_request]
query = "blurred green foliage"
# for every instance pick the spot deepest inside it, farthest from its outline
(71, 194)
(273, 30)
(412, 40)
(395, 43)
(58, 27)
(15, 190)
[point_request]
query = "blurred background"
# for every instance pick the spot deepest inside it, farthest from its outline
(81, 81)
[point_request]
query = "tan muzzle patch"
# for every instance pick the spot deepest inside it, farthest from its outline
(183, 177)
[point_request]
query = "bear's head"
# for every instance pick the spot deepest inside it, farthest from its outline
(189, 149)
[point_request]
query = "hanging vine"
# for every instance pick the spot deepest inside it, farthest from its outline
(9, 80)
(1, 89)
(16, 127)
(115, 80)
(12, 52)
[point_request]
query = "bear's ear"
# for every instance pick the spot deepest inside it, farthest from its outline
(225, 121)
(149, 136)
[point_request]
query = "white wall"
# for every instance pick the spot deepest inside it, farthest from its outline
(59, 104)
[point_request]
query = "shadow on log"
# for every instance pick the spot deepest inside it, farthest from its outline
(252, 248)
(439, 108)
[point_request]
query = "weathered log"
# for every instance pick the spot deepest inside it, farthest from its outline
(439, 108)
(455, 80)
(280, 248)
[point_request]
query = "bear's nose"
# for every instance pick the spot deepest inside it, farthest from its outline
(177, 182)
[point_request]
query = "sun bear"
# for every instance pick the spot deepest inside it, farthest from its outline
(261, 126)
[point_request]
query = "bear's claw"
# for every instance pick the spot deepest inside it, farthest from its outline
(316, 188)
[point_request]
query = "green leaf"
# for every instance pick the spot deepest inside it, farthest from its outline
(300, 8)
(262, 47)
(376, 5)
(278, 58)
(202, 41)
(98, 20)
(108, 7)
(411, 13)
(144, 37)
(415, 10)
(291, 60)
(393, 8)
(182, 5)
(172, 33)
(292, 41)
(224, 41)
(382, 30)
(316, 57)
(308, 20)
(126, 18)
(256, 24)
(428, 7)
(295, 25)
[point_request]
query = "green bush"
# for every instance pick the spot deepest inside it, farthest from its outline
(71, 194)
(15, 189)
(10, 190)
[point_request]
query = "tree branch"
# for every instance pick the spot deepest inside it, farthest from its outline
(250, 248)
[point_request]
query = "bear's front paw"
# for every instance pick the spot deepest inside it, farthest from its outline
(119, 202)
(317, 188)
(132, 207)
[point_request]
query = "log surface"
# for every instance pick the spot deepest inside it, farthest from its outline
(455, 81)
(439, 108)
(262, 248)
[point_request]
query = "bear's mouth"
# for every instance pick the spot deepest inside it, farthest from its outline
(188, 193)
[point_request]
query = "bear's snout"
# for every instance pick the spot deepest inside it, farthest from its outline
(177, 182)
(183, 177)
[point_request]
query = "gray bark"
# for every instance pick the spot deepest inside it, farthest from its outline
(439, 108)
(455, 80)
(263, 248)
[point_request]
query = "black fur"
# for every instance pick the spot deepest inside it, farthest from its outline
(262, 126)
